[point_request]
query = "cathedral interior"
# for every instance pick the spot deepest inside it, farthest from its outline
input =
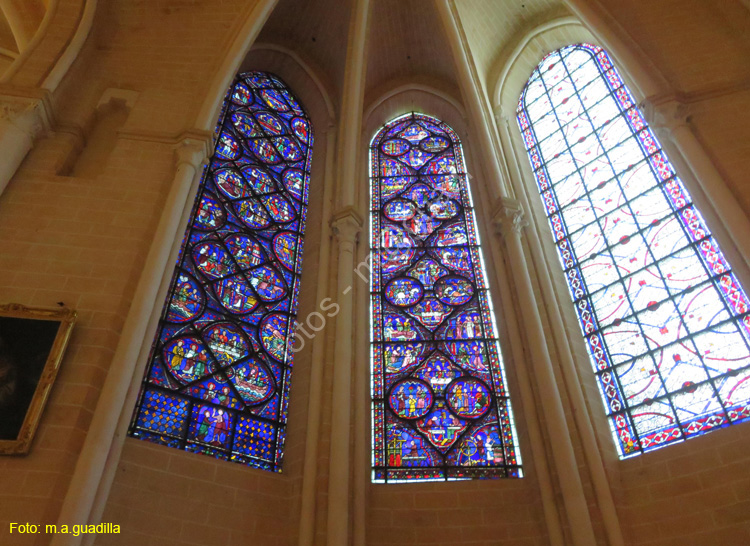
(108, 126)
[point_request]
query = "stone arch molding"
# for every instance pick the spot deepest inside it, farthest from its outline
(54, 47)
(514, 70)
(661, 105)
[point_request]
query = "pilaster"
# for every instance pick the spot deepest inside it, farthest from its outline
(100, 455)
(346, 225)
(509, 221)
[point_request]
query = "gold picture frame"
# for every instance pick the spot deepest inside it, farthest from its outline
(32, 344)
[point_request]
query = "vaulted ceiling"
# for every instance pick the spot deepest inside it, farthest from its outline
(407, 40)
(19, 20)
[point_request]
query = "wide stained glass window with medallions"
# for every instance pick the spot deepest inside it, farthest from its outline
(217, 381)
(664, 318)
(439, 396)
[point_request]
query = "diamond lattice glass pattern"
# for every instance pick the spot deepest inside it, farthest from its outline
(665, 320)
(439, 400)
(217, 381)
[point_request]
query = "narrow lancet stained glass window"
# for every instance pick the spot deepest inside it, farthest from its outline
(439, 397)
(664, 318)
(218, 377)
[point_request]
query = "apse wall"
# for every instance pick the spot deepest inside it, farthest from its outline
(82, 241)
(496, 511)
(699, 492)
(75, 228)
(684, 69)
(157, 489)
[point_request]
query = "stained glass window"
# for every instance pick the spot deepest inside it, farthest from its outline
(217, 381)
(439, 396)
(665, 321)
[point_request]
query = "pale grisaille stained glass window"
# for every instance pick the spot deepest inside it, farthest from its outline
(665, 321)
(218, 377)
(439, 396)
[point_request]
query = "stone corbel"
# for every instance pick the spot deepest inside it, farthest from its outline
(509, 217)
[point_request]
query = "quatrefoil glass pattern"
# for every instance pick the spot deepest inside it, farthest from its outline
(664, 319)
(439, 398)
(218, 377)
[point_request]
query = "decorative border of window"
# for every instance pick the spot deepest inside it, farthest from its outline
(440, 406)
(665, 320)
(218, 376)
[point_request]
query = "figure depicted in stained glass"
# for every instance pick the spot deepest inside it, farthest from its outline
(218, 377)
(664, 318)
(440, 406)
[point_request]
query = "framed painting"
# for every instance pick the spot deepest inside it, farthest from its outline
(32, 343)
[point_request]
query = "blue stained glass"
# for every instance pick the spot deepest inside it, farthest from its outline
(440, 406)
(218, 377)
(666, 323)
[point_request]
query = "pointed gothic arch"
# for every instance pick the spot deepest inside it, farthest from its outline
(218, 376)
(665, 320)
(441, 409)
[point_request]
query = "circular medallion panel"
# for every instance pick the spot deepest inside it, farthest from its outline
(395, 147)
(231, 184)
(284, 246)
(274, 100)
(301, 129)
(227, 147)
(252, 381)
(226, 341)
(411, 399)
(269, 123)
(399, 210)
(404, 291)
(468, 398)
(210, 214)
(273, 331)
(454, 290)
(187, 358)
(241, 94)
(294, 181)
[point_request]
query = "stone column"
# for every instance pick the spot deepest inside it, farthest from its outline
(346, 225)
(350, 121)
(510, 222)
(101, 450)
(310, 472)
(22, 120)
(582, 419)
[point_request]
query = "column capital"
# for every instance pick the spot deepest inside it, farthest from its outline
(509, 217)
(193, 148)
(346, 225)
(666, 116)
(502, 117)
(31, 115)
